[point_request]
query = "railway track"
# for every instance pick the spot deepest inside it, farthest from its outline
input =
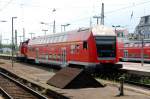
(109, 75)
(12, 89)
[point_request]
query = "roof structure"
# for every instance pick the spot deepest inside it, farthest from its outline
(81, 34)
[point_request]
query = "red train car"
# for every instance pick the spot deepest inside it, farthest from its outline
(23, 50)
(85, 47)
(132, 51)
(121, 48)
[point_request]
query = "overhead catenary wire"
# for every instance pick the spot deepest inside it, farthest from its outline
(6, 5)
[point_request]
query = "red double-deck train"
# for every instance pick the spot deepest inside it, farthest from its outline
(86, 47)
(133, 51)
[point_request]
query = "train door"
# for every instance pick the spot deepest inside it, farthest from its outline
(46, 56)
(125, 55)
(37, 55)
(63, 57)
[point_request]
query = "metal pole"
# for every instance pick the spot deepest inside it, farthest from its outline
(61, 28)
(1, 41)
(121, 88)
(142, 51)
(20, 38)
(64, 28)
(97, 21)
(44, 31)
(12, 42)
(90, 22)
(97, 18)
(54, 30)
(102, 14)
(15, 39)
(23, 34)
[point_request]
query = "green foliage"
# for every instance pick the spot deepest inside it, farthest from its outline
(7, 46)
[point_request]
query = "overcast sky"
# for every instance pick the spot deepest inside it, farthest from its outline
(75, 12)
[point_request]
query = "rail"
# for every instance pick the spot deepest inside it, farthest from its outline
(4, 93)
(15, 89)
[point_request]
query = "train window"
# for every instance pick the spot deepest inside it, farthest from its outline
(126, 45)
(60, 38)
(147, 44)
(65, 38)
(72, 49)
(140, 45)
(125, 53)
(131, 45)
(56, 39)
(53, 40)
(55, 57)
(50, 40)
(77, 48)
(50, 56)
(135, 45)
(40, 41)
(35, 42)
(43, 41)
(85, 46)
(47, 40)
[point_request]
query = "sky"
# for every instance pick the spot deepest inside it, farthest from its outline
(77, 13)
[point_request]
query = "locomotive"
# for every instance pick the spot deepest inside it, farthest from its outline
(87, 47)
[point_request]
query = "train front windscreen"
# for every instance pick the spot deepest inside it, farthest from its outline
(106, 46)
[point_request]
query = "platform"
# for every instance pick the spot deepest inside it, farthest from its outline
(136, 68)
(40, 77)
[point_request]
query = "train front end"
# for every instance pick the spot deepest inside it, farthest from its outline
(23, 50)
(106, 45)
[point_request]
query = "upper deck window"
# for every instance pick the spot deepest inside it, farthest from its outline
(131, 45)
(147, 45)
(139, 45)
(126, 45)
(135, 45)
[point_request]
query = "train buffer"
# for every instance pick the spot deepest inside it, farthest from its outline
(68, 78)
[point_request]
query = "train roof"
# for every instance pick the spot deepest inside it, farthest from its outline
(102, 30)
(82, 34)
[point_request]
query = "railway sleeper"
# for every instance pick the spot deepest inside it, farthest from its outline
(42, 90)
